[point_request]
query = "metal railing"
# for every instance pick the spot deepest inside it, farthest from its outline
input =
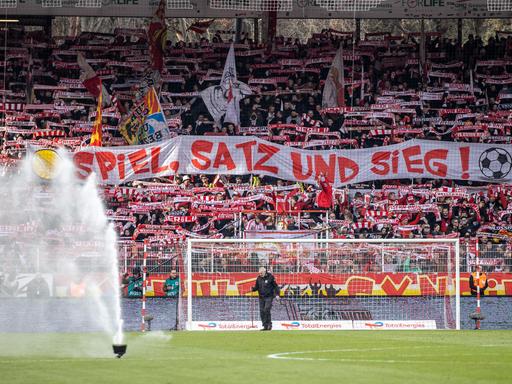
(162, 258)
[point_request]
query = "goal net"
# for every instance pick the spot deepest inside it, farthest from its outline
(349, 5)
(324, 284)
(179, 4)
(8, 3)
(253, 5)
(153, 273)
(499, 5)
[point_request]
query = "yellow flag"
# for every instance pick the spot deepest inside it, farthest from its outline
(96, 137)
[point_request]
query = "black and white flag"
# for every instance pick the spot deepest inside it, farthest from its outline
(224, 99)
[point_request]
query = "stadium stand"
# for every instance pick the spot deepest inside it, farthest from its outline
(390, 98)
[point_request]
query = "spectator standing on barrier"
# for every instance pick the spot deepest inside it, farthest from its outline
(172, 285)
(478, 279)
(267, 289)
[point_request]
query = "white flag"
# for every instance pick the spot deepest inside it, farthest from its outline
(334, 87)
(229, 73)
(216, 97)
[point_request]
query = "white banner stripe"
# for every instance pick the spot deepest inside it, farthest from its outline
(239, 155)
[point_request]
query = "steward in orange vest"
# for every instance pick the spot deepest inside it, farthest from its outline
(475, 282)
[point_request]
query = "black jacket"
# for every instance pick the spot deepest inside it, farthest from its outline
(266, 286)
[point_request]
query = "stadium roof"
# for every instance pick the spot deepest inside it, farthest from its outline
(295, 9)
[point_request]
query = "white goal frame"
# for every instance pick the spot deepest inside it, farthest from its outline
(190, 324)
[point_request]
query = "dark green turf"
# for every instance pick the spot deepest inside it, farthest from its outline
(334, 357)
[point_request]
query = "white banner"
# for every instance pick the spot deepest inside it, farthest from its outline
(395, 324)
(239, 155)
(298, 325)
(292, 325)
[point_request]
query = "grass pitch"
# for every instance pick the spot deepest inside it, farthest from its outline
(261, 357)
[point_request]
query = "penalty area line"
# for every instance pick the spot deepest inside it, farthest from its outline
(291, 356)
(288, 355)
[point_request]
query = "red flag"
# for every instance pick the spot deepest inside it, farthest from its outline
(93, 85)
(200, 27)
(96, 137)
(157, 36)
(89, 78)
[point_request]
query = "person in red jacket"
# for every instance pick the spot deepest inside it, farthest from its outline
(324, 198)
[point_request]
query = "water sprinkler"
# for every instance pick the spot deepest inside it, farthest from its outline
(477, 317)
(119, 350)
(118, 346)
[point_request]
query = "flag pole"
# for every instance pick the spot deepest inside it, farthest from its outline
(144, 275)
(477, 322)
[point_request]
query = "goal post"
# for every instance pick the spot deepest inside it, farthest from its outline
(324, 283)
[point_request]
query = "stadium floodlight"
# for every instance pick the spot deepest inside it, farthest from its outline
(325, 284)
(88, 4)
(499, 5)
(51, 3)
(8, 3)
(179, 4)
(253, 5)
(350, 5)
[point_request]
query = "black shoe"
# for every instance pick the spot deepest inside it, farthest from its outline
(264, 329)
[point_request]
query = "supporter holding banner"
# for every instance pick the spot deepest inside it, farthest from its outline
(146, 122)
(251, 155)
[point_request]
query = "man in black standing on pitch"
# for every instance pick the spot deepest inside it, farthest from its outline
(267, 289)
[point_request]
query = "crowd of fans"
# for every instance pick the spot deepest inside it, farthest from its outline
(393, 92)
